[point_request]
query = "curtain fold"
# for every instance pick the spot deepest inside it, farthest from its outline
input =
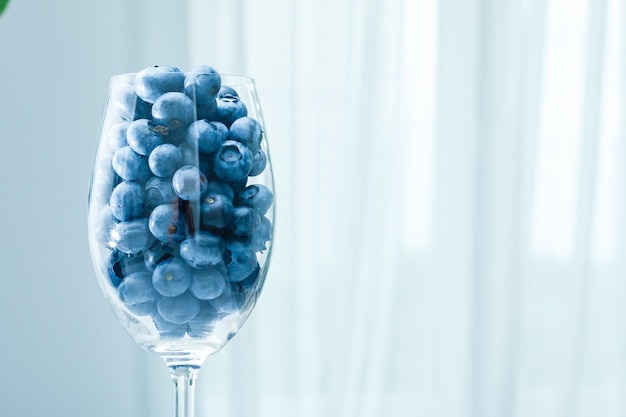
(450, 185)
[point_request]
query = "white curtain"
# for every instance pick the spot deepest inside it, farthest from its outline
(451, 208)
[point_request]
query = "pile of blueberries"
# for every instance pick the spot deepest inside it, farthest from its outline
(182, 224)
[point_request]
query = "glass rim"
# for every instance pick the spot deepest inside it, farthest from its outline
(232, 80)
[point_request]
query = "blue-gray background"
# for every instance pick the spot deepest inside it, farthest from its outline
(63, 352)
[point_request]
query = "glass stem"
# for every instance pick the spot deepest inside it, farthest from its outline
(184, 378)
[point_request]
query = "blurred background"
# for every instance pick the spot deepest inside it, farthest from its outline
(451, 207)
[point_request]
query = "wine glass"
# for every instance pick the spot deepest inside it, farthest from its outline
(181, 212)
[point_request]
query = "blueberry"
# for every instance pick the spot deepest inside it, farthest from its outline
(242, 260)
(160, 191)
(256, 196)
(245, 220)
(131, 236)
(216, 211)
(220, 187)
(143, 309)
(240, 269)
(229, 108)
(203, 324)
(171, 277)
(227, 91)
(137, 288)
(104, 223)
(202, 84)
(247, 131)
(120, 265)
(125, 104)
(208, 283)
(251, 282)
(122, 100)
(189, 183)
(167, 223)
(236, 246)
(152, 82)
(206, 111)
(116, 135)
(232, 162)
(201, 250)
(127, 201)
(179, 309)
(175, 111)
(131, 166)
(247, 290)
(143, 136)
(165, 159)
(206, 136)
(168, 330)
(158, 253)
(114, 278)
(189, 154)
(259, 162)
(226, 302)
(238, 185)
(260, 234)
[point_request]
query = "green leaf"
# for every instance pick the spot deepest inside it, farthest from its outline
(3, 4)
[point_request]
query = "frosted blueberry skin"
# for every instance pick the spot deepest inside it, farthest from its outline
(127, 105)
(216, 211)
(232, 162)
(137, 288)
(164, 160)
(242, 264)
(260, 234)
(256, 196)
(158, 253)
(167, 223)
(206, 136)
(143, 136)
(105, 223)
(131, 236)
(127, 201)
(130, 166)
(201, 250)
(143, 309)
(229, 108)
(160, 191)
(179, 309)
(171, 277)
(238, 185)
(247, 131)
(227, 91)
(121, 265)
(220, 187)
(175, 111)
(116, 136)
(202, 325)
(208, 283)
(199, 160)
(168, 330)
(189, 183)
(206, 111)
(152, 82)
(245, 220)
(259, 162)
(202, 83)
(225, 303)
